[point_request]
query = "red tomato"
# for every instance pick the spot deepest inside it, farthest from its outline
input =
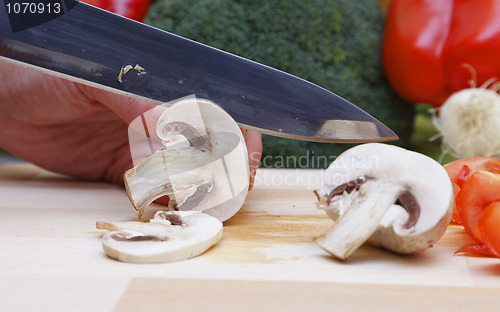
(455, 217)
(458, 174)
(488, 225)
(479, 190)
(460, 170)
(477, 249)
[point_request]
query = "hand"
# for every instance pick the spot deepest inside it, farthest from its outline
(72, 128)
(253, 141)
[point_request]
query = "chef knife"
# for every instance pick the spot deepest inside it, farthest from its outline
(88, 45)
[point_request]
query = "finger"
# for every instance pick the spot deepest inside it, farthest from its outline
(253, 141)
(141, 118)
(125, 107)
(163, 200)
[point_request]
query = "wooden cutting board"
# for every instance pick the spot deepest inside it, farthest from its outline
(51, 257)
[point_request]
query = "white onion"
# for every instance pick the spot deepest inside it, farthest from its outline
(469, 122)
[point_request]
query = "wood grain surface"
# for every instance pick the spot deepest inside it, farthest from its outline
(52, 260)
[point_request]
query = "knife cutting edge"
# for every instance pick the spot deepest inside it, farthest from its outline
(88, 45)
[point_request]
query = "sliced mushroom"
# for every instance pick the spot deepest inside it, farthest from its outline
(170, 236)
(203, 166)
(392, 197)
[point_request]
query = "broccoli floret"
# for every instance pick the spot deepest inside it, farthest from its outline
(333, 43)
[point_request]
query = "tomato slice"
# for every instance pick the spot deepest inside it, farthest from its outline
(488, 226)
(455, 217)
(460, 170)
(479, 190)
(476, 186)
(458, 174)
(477, 249)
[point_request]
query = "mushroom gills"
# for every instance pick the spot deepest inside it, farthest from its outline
(197, 140)
(169, 236)
(190, 202)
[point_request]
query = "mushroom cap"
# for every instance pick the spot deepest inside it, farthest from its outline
(390, 171)
(203, 167)
(160, 240)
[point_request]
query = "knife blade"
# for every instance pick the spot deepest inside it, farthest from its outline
(88, 45)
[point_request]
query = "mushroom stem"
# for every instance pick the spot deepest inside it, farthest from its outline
(363, 214)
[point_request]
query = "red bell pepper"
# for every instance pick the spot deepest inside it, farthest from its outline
(133, 9)
(426, 43)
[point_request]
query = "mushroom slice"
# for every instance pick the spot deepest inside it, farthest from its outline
(169, 236)
(392, 197)
(203, 166)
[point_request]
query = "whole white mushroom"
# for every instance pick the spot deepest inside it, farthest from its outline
(392, 197)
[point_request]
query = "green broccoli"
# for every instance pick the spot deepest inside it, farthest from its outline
(333, 43)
